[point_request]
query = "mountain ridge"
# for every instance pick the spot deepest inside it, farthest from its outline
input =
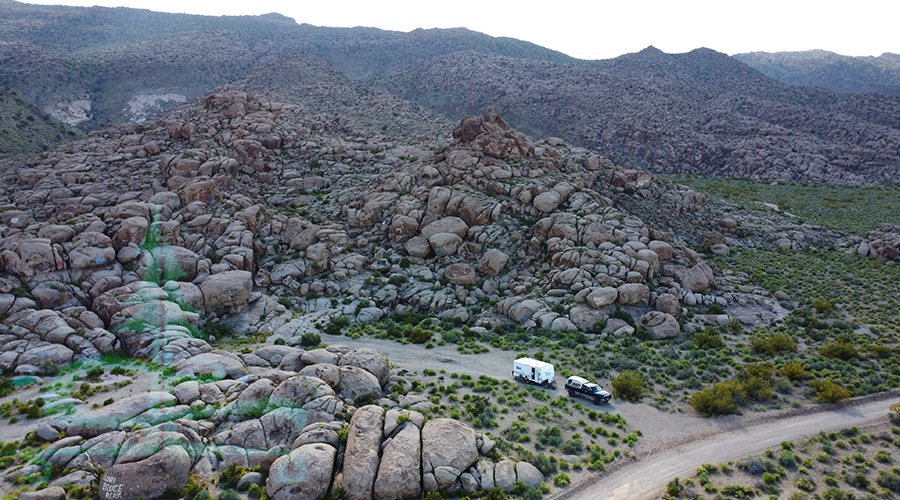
(828, 70)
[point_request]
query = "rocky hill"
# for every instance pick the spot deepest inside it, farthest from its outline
(701, 112)
(827, 70)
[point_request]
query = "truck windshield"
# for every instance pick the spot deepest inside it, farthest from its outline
(595, 388)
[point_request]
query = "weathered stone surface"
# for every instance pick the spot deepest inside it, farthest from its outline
(528, 474)
(493, 262)
(217, 364)
(631, 294)
(148, 478)
(107, 418)
(254, 400)
(547, 202)
(660, 325)
(229, 290)
(331, 374)
(358, 385)
(418, 246)
(449, 445)
(663, 250)
(49, 493)
(453, 225)
(361, 455)
(370, 360)
(460, 274)
(695, 279)
(304, 474)
(445, 243)
(399, 473)
(668, 303)
(602, 296)
(505, 474)
(299, 390)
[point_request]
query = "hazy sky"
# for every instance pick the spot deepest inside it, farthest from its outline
(596, 29)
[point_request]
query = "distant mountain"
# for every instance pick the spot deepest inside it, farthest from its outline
(819, 68)
(24, 129)
(699, 112)
(128, 64)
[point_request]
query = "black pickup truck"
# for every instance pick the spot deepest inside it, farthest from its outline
(578, 385)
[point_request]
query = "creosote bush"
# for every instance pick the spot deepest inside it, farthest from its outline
(629, 386)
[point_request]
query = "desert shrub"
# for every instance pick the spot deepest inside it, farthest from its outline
(772, 344)
(546, 464)
(6, 386)
(623, 315)
(533, 494)
(716, 399)
(839, 349)
(674, 488)
(230, 476)
(823, 306)
(218, 329)
(629, 386)
(419, 336)
(310, 339)
(829, 392)
(496, 493)
(561, 479)
(737, 491)
(756, 380)
(859, 480)
(229, 495)
(889, 479)
(707, 339)
(794, 370)
(550, 436)
(805, 485)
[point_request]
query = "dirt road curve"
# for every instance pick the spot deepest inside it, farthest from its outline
(647, 476)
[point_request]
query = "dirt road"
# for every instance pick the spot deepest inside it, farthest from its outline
(646, 477)
(674, 443)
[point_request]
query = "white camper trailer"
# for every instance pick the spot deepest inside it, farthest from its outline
(532, 371)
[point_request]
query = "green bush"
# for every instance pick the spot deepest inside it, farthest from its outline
(419, 336)
(794, 371)
(823, 306)
(6, 386)
(230, 476)
(889, 480)
(829, 392)
(310, 339)
(839, 349)
(561, 479)
(716, 399)
(708, 340)
(805, 485)
(546, 464)
(629, 386)
(772, 344)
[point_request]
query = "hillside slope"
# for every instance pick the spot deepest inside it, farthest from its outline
(129, 64)
(820, 68)
(699, 112)
(25, 129)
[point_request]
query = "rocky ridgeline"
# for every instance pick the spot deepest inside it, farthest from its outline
(267, 216)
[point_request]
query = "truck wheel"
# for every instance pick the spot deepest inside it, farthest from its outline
(571, 393)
